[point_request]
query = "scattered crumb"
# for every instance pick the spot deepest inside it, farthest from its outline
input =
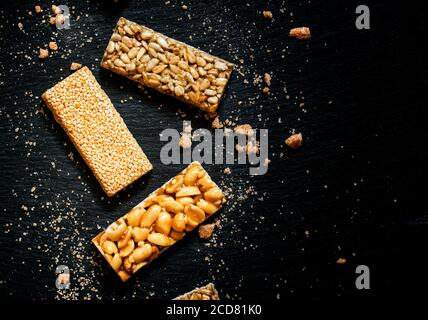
(43, 53)
(55, 10)
(267, 14)
(294, 141)
(75, 66)
(185, 141)
(206, 230)
(301, 33)
(37, 9)
(244, 129)
(341, 261)
(253, 148)
(266, 90)
(227, 170)
(20, 26)
(184, 7)
(267, 79)
(52, 20)
(53, 46)
(59, 19)
(216, 124)
(266, 162)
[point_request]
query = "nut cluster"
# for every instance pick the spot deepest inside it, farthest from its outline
(167, 65)
(160, 220)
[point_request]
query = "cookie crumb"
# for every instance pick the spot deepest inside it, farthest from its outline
(184, 7)
(206, 230)
(267, 14)
(75, 66)
(53, 46)
(244, 129)
(267, 79)
(216, 123)
(301, 33)
(38, 9)
(20, 26)
(294, 141)
(227, 170)
(341, 261)
(43, 53)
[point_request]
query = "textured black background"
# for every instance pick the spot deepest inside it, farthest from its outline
(357, 185)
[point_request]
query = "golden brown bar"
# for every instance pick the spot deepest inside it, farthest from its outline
(167, 65)
(160, 220)
(207, 292)
(97, 130)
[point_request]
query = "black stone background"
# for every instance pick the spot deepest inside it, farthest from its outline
(357, 184)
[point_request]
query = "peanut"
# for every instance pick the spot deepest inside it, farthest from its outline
(140, 234)
(150, 216)
(160, 239)
(163, 223)
(141, 253)
(179, 222)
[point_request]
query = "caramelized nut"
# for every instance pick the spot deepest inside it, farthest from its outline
(150, 216)
(179, 222)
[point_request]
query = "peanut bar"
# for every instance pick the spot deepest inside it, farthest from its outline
(160, 220)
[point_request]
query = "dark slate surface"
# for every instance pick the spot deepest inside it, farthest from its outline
(355, 186)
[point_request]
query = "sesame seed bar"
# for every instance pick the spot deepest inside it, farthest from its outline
(160, 220)
(167, 65)
(97, 130)
(207, 292)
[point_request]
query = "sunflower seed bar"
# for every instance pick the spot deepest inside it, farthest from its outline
(160, 220)
(167, 65)
(98, 132)
(207, 292)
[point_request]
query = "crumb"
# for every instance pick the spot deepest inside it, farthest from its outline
(267, 79)
(37, 9)
(185, 141)
(55, 10)
(43, 53)
(294, 141)
(206, 230)
(59, 19)
(227, 170)
(216, 124)
(184, 7)
(266, 162)
(240, 148)
(302, 33)
(266, 90)
(267, 14)
(53, 46)
(20, 26)
(52, 20)
(341, 261)
(75, 66)
(244, 129)
(253, 148)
